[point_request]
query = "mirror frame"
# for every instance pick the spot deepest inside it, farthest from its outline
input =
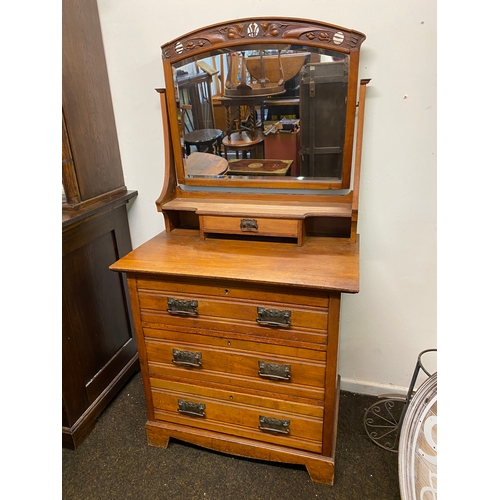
(255, 31)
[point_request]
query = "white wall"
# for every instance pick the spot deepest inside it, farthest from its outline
(393, 318)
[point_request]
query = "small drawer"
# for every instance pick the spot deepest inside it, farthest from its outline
(280, 228)
(255, 417)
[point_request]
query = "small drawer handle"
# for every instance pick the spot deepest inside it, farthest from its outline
(274, 317)
(274, 371)
(186, 358)
(190, 408)
(249, 225)
(280, 426)
(182, 307)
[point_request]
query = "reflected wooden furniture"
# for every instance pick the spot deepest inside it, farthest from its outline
(322, 134)
(196, 94)
(205, 164)
(246, 134)
(237, 303)
(249, 111)
(99, 352)
(244, 142)
(208, 139)
(259, 167)
(284, 145)
(280, 107)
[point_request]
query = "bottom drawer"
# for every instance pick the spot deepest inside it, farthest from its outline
(270, 420)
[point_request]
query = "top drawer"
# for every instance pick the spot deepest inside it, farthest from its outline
(249, 311)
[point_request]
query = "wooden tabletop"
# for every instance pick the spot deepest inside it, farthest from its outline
(330, 264)
(242, 139)
(205, 164)
(259, 167)
(203, 136)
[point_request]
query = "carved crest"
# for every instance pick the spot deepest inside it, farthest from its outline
(264, 30)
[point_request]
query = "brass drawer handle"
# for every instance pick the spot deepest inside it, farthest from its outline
(186, 358)
(190, 408)
(182, 307)
(281, 426)
(274, 371)
(249, 225)
(274, 317)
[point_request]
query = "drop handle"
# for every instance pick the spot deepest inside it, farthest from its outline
(191, 408)
(269, 424)
(274, 317)
(186, 358)
(181, 307)
(274, 371)
(249, 225)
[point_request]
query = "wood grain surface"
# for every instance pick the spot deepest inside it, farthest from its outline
(321, 263)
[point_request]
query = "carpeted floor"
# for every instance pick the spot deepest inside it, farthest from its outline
(115, 462)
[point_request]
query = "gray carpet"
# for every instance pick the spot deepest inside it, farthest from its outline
(115, 462)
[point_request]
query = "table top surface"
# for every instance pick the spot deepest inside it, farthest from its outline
(330, 264)
(203, 135)
(244, 138)
(259, 167)
(205, 164)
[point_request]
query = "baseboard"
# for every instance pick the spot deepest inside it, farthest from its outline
(370, 388)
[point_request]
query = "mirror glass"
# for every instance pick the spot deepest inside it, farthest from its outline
(264, 111)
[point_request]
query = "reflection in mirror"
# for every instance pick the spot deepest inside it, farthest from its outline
(268, 110)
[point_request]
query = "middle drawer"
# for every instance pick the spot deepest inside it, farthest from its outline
(255, 366)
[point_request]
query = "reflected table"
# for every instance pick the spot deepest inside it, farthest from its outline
(204, 140)
(259, 167)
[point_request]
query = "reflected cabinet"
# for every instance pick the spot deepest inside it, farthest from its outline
(236, 304)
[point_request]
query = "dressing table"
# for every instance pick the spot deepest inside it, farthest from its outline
(236, 304)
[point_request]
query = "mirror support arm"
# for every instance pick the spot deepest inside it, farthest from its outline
(169, 184)
(357, 161)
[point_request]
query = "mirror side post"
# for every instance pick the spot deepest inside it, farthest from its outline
(357, 161)
(350, 120)
(169, 180)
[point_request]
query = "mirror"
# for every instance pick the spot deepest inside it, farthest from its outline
(273, 101)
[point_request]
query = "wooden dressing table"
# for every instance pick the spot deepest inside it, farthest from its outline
(236, 304)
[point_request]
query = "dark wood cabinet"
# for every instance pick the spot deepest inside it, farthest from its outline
(98, 343)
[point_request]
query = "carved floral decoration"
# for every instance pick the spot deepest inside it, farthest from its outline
(261, 30)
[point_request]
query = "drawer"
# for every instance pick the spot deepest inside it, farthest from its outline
(253, 366)
(231, 290)
(255, 417)
(259, 226)
(295, 318)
